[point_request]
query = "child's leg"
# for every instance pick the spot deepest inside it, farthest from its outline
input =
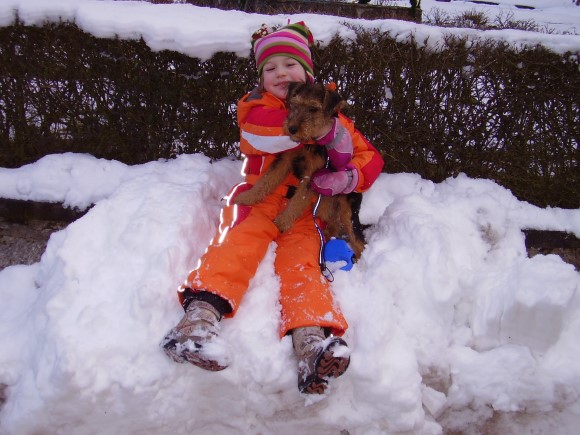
(233, 257)
(217, 286)
(305, 295)
(309, 309)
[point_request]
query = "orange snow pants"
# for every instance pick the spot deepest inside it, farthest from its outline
(232, 258)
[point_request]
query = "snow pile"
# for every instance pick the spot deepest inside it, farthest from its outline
(449, 319)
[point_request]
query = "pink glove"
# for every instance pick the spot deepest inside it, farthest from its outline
(338, 145)
(329, 183)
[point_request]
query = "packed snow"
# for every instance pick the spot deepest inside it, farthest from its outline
(452, 326)
(200, 32)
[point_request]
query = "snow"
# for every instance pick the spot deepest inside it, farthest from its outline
(452, 326)
(201, 32)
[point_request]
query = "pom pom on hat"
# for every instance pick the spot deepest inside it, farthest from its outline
(293, 40)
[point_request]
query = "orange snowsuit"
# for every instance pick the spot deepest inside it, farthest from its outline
(245, 232)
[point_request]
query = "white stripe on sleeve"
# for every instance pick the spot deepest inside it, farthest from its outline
(269, 144)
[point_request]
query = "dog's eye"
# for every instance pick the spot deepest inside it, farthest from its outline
(313, 109)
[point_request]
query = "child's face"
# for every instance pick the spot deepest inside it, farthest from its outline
(278, 72)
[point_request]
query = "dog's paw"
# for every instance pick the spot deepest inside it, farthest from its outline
(282, 224)
(358, 248)
(244, 198)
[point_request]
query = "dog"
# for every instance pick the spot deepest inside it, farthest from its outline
(310, 108)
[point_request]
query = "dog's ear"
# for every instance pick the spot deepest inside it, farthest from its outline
(292, 89)
(332, 102)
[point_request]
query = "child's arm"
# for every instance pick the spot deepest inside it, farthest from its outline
(262, 133)
(358, 173)
(338, 143)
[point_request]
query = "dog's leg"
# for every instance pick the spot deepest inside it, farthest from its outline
(341, 218)
(355, 202)
(335, 216)
(303, 167)
(296, 207)
(354, 241)
(349, 213)
(272, 178)
(327, 213)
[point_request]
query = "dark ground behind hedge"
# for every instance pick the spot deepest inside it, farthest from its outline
(486, 110)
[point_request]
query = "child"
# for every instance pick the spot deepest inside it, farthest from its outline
(215, 288)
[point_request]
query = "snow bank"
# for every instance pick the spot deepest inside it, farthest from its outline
(449, 319)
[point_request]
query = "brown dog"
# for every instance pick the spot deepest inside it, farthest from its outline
(311, 107)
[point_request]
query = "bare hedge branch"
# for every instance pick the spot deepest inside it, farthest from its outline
(483, 109)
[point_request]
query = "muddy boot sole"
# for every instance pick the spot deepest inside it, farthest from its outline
(327, 366)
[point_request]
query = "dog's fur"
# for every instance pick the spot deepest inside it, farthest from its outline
(311, 107)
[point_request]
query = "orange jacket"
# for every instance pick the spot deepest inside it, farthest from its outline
(260, 118)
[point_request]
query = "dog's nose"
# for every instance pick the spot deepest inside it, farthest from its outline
(292, 130)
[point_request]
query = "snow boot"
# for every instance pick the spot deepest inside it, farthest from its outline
(319, 358)
(195, 339)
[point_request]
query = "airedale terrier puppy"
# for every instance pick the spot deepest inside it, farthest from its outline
(310, 107)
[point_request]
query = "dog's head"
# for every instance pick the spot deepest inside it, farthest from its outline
(310, 107)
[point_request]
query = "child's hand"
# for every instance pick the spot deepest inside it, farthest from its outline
(338, 145)
(328, 183)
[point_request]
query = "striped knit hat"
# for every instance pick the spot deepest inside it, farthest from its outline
(293, 40)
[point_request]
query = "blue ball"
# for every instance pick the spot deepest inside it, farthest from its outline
(338, 250)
